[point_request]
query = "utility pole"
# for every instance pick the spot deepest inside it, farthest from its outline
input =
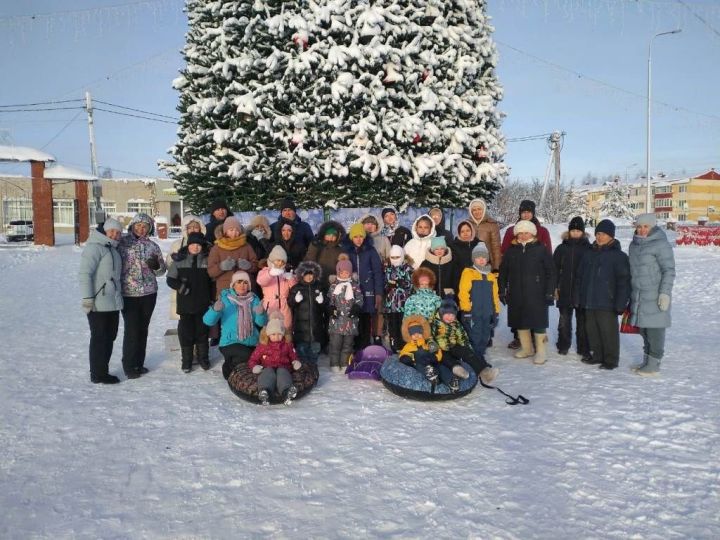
(555, 144)
(97, 187)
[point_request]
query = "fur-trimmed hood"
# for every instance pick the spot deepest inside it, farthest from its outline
(304, 266)
(566, 236)
(422, 271)
(260, 222)
(415, 320)
(434, 259)
(320, 236)
(189, 219)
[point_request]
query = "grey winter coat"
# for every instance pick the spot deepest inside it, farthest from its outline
(100, 271)
(652, 272)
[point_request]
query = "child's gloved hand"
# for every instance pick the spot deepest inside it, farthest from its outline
(257, 369)
(298, 297)
(218, 306)
(275, 272)
(288, 275)
(184, 288)
(296, 364)
(319, 298)
(227, 264)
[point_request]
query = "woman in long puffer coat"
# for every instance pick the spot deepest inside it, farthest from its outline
(652, 268)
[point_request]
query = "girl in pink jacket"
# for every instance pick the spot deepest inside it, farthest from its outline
(276, 284)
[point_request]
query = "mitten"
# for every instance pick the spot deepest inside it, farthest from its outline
(184, 288)
(433, 347)
(88, 304)
(153, 263)
(319, 298)
(296, 364)
(227, 264)
(218, 306)
(276, 271)
(298, 297)
(664, 302)
(257, 369)
(288, 275)
(244, 264)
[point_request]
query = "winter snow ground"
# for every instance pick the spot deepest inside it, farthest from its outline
(594, 455)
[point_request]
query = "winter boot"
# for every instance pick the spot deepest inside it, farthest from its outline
(489, 374)
(641, 364)
(454, 385)
(651, 368)
(431, 373)
(105, 379)
(514, 344)
(540, 343)
(460, 371)
(290, 394)
(187, 358)
(264, 397)
(526, 349)
(203, 354)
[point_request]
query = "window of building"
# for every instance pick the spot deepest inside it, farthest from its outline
(682, 205)
(110, 208)
(663, 189)
(64, 212)
(135, 206)
(682, 189)
(682, 217)
(663, 215)
(16, 208)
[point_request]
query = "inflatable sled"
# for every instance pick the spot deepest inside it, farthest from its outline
(243, 382)
(366, 363)
(407, 382)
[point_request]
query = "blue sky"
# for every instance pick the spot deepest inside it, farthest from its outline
(579, 66)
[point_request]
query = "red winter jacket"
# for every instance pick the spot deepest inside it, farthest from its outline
(543, 237)
(273, 355)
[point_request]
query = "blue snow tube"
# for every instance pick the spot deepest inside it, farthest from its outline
(243, 382)
(407, 382)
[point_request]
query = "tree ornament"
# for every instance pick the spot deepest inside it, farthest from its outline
(425, 74)
(417, 138)
(481, 154)
(301, 40)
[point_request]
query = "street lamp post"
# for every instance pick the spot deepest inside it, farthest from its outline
(649, 91)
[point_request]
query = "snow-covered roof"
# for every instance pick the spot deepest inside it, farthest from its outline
(710, 175)
(63, 172)
(23, 153)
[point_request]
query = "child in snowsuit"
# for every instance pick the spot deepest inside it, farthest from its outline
(189, 277)
(307, 302)
(423, 231)
(424, 354)
(454, 343)
(479, 301)
(398, 288)
(567, 257)
(273, 361)
(424, 301)
(344, 307)
(276, 284)
(242, 314)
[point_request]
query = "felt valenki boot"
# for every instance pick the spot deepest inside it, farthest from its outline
(651, 368)
(540, 345)
(526, 349)
(640, 365)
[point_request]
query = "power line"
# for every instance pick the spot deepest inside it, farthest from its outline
(135, 110)
(62, 130)
(698, 17)
(41, 110)
(50, 14)
(134, 115)
(41, 103)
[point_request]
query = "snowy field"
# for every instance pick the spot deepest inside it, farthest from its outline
(594, 455)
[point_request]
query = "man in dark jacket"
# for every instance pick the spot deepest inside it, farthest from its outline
(288, 213)
(604, 292)
(567, 258)
(219, 211)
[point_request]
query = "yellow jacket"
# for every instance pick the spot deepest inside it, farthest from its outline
(414, 346)
(468, 276)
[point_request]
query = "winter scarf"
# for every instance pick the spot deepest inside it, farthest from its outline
(345, 287)
(244, 318)
(230, 244)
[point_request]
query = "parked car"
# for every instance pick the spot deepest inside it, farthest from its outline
(19, 229)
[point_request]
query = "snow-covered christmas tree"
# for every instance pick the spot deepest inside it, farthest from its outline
(338, 103)
(617, 201)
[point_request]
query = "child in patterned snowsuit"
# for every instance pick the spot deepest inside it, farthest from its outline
(398, 288)
(424, 301)
(345, 304)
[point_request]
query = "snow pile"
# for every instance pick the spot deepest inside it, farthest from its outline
(594, 455)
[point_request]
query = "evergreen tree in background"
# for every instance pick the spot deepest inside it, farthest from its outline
(341, 103)
(575, 204)
(617, 202)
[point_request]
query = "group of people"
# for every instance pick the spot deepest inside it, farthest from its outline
(273, 296)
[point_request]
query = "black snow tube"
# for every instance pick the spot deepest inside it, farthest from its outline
(407, 382)
(243, 382)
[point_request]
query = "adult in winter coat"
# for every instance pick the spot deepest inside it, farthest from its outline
(241, 316)
(380, 243)
(288, 212)
(423, 231)
(190, 224)
(366, 264)
(392, 230)
(142, 261)
(187, 274)
(438, 218)
(291, 243)
(230, 253)
(527, 284)
(325, 248)
(527, 213)
(258, 236)
(439, 258)
(463, 244)
(219, 212)
(307, 300)
(99, 275)
(567, 258)
(652, 267)
(487, 230)
(604, 292)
